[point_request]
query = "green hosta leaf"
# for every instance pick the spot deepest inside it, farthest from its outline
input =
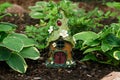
(92, 43)
(105, 46)
(92, 49)
(30, 52)
(2, 36)
(41, 3)
(26, 41)
(39, 6)
(104, 32)
(116, 55)
(113, 40)
(109, 42)
(118, 33)
(4, 26)
(36, 8)
(37, 15)
(18, 35)
(17, 63)
(114, 27)
(13, 43)
(89, 57)
(86, 36)
(4, 54)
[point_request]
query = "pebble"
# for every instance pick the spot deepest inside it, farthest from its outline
(69, 71)
(89, 75)
(37, 78)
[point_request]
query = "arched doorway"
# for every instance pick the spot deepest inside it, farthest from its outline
(59, 58)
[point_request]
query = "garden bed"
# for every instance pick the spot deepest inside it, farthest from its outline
(38, 71)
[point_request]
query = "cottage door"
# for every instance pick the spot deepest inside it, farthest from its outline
(59, 58)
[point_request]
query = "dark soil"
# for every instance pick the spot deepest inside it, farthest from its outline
(37, 69)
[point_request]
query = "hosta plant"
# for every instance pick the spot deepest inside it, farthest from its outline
(15, 47)
(106, 43)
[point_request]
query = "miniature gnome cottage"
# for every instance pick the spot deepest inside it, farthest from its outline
(60, 44)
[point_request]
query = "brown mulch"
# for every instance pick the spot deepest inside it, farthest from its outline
(38, 71)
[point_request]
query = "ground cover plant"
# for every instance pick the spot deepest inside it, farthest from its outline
(14, 47)
(102, 47)
(105, 43)
(48, 13)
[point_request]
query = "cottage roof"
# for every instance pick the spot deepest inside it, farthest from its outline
(62, 31)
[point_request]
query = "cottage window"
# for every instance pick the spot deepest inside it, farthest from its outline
(60, 44)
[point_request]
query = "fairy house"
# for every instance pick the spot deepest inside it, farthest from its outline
(60, 44)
